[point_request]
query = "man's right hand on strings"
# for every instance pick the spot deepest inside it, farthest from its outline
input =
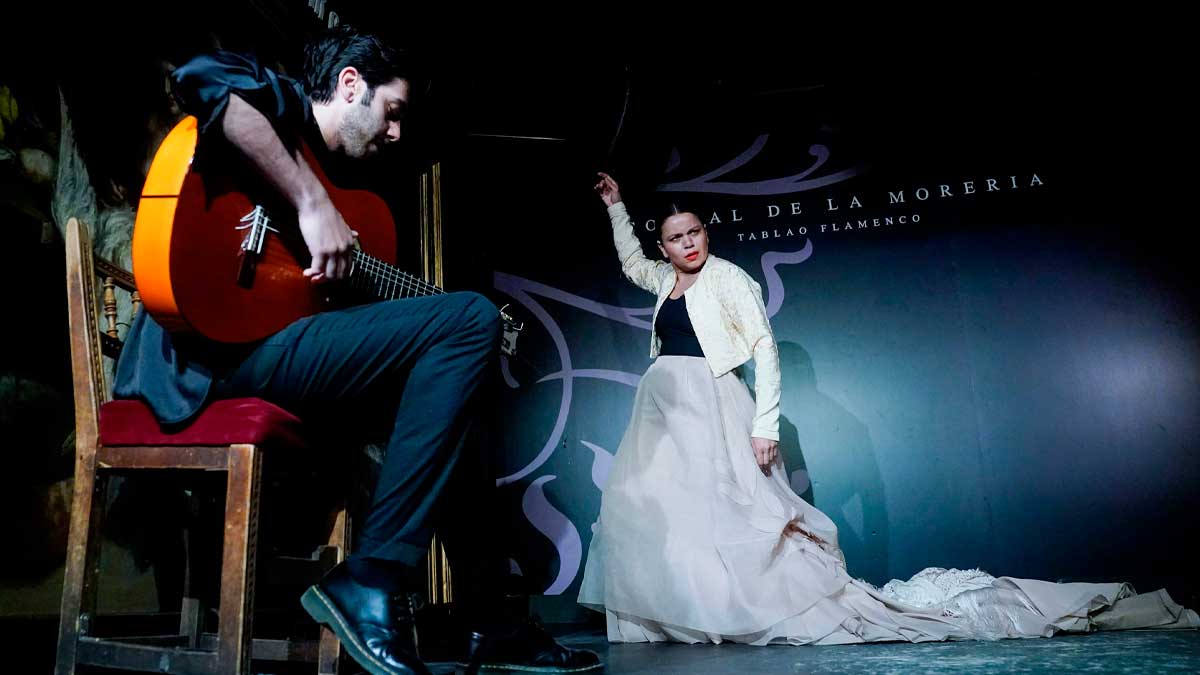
(329, 240)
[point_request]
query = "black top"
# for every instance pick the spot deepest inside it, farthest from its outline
(173, 376)
(674, 329)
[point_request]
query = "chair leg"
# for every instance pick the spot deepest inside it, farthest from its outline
(329, 650)
(83, 544)
(189, 611)
(234, 634)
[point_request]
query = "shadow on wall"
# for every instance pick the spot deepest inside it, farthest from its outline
(832, 465)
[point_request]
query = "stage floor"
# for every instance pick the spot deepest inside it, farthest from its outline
(1133, 652)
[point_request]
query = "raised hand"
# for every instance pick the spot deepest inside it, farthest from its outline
(607, 189)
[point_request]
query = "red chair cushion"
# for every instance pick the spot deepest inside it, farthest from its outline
(224, 422)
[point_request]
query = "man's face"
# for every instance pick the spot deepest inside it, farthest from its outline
(373, 118)
(684, 242)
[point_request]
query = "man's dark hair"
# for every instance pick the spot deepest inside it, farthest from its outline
(341, 47)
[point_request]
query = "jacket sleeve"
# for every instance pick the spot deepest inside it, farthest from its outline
(750, 318)
(645, 273)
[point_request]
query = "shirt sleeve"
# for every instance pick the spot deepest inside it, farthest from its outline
(203, 86)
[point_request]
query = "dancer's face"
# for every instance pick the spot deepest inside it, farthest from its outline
(684, 241)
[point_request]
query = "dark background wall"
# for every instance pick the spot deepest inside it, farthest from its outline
(1009, 382)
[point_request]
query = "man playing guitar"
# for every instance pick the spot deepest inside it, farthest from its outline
(413, 364)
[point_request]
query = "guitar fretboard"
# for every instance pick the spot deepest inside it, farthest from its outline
(387, 282)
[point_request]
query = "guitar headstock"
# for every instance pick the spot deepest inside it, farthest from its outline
(510, 330)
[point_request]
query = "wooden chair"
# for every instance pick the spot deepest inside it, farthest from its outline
(122, 437)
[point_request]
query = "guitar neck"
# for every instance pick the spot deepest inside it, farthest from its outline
(387, 282)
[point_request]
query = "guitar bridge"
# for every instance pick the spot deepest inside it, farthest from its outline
(258, 223)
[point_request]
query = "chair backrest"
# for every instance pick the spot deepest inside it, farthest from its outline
(87, 302)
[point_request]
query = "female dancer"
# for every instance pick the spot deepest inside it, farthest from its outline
(700, 537)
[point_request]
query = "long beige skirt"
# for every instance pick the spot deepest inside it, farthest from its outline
(690, 546)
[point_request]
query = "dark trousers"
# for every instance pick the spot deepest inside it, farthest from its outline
(405, 370)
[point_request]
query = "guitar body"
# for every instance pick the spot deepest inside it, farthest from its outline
(188, 258)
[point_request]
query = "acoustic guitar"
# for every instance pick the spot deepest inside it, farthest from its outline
(218, 254)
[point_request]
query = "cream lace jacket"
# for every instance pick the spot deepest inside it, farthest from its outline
(726, 310)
